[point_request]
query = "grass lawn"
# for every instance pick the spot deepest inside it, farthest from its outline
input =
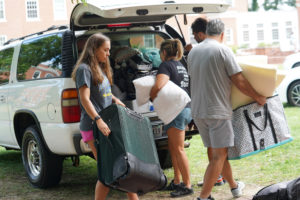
(271, 166)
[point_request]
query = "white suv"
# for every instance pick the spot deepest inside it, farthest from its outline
(39, 111)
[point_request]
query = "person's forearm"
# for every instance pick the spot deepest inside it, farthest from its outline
(153, 92)
(245, 87)
(114, 99)
(161, 81)
(89, 108)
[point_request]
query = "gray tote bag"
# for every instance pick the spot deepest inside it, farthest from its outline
(258, 128)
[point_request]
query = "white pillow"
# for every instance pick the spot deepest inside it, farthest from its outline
(143, 87)
(170, 101)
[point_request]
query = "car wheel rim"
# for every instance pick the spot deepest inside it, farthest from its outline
(296, 95)
(34, 157)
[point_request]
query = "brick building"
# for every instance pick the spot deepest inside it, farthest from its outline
(23, 17)
(248, 32)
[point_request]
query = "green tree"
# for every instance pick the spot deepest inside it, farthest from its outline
(77, 1)
(271, 4)
(32, 54)
(254, 6)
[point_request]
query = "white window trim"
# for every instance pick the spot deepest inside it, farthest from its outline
(38, 11)
(4, 13)
(54, 11)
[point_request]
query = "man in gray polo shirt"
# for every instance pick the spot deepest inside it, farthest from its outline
(212, 69)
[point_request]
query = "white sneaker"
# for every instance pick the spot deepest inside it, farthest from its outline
(237, 192)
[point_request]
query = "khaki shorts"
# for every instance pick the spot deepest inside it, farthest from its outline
(215, 133)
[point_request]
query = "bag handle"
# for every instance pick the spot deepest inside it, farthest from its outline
(266, 111)
(267, 118)
(250, 123)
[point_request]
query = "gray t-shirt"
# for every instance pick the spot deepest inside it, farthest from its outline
(210, 65)
(100, 95)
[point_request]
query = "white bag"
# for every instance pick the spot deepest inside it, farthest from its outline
(170, 101)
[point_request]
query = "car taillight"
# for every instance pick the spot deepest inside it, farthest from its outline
(70, 106)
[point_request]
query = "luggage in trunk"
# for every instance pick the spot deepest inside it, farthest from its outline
(127, 158)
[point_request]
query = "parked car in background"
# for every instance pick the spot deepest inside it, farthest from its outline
(292, 61)
(289, 89)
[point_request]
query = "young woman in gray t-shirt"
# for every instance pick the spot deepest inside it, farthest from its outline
(93, 77)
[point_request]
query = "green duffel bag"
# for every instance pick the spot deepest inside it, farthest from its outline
(127, 158)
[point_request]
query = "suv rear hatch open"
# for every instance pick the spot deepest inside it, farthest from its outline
(98, 14)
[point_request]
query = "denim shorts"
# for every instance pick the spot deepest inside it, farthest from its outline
(181, 120)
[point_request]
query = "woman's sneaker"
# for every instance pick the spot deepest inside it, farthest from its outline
(238, 191)
(182, 191)
(172, 186)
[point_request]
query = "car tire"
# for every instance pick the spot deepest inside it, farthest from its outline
(293, 94)
(43, 168)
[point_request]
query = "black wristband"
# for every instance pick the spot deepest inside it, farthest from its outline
(97, 117)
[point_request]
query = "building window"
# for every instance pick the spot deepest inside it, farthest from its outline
(288, 29)
(246, 36)
(289, 32)
(260, 32)
(36, 75)
(2, 39)
(60, 10)
(275, 34)
(2, 10)
(260, 35)
(149, 40)
(32, 9)
(228, 36)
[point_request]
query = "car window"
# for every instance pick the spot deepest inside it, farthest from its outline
(40, 58)
(5, 64)
(147, 44)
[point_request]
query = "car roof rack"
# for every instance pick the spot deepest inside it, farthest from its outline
(51, 28)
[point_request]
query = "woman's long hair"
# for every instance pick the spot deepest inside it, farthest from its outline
(89, 57)
(173, 48)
